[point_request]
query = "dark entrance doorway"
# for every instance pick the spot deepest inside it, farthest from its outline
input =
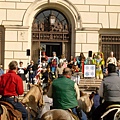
(53, 47)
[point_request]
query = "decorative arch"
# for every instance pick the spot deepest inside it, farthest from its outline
(64, 6)
(51, 25)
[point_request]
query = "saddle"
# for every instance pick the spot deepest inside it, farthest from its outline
(13, 114)
(73, 115)
(111, 108)
(1, 110)
(76, 117)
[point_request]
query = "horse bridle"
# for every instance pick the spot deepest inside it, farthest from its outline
(40, 101)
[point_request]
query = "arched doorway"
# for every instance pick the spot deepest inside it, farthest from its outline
(52, 31)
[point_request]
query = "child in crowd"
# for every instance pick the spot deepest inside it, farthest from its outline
(48, 77)
(44, 64)
(65, 63)
(76, 76)
(59, 70)
(47, 102)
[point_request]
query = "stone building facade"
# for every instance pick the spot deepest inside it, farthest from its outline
(94, 26)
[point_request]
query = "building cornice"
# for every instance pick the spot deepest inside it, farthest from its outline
(12, 27)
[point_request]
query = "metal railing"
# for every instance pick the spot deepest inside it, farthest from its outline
(110, 43)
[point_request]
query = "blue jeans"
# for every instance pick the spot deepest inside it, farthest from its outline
(31, 80)
(84, 117)
(18, 106)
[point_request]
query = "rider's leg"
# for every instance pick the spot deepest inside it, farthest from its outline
(99, 111)
(84, 116)
(76, 111)
(22, 109)
(18, 106)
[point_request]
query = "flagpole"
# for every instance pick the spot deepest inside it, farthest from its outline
(40, 56)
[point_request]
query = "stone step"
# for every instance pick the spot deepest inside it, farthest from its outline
(89, 80)
(81, 84)
(89, 85)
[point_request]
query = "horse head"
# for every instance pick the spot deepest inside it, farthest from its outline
(34, 98)
(57, 114)
(85, 102)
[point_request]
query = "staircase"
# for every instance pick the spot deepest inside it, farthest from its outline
(89, 85)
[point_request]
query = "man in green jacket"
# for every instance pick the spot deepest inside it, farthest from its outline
(65, 93)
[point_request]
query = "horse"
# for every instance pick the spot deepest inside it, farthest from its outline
(85, 102)
(33, 101)
(57, 114)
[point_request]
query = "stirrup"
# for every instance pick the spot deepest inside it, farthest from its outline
(113, 106)
(110, 110)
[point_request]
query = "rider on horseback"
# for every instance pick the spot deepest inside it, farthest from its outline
(109, 90)
(11, 86)
(65, 93)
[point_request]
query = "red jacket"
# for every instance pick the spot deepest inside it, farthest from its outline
(11, 84)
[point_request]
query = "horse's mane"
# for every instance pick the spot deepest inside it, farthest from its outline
(82, 93)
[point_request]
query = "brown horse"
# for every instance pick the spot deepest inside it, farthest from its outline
(57, 114)
(85, 102)
(33, 100)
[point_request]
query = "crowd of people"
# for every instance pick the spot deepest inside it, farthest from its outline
(52, 67)
(76, 64)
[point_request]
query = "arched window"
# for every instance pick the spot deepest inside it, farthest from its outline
(50, 25)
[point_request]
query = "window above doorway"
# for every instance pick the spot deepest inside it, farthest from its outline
(51, 25)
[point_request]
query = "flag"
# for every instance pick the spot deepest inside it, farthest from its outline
(37, 77)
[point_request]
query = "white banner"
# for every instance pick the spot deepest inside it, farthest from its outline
(89, 70)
